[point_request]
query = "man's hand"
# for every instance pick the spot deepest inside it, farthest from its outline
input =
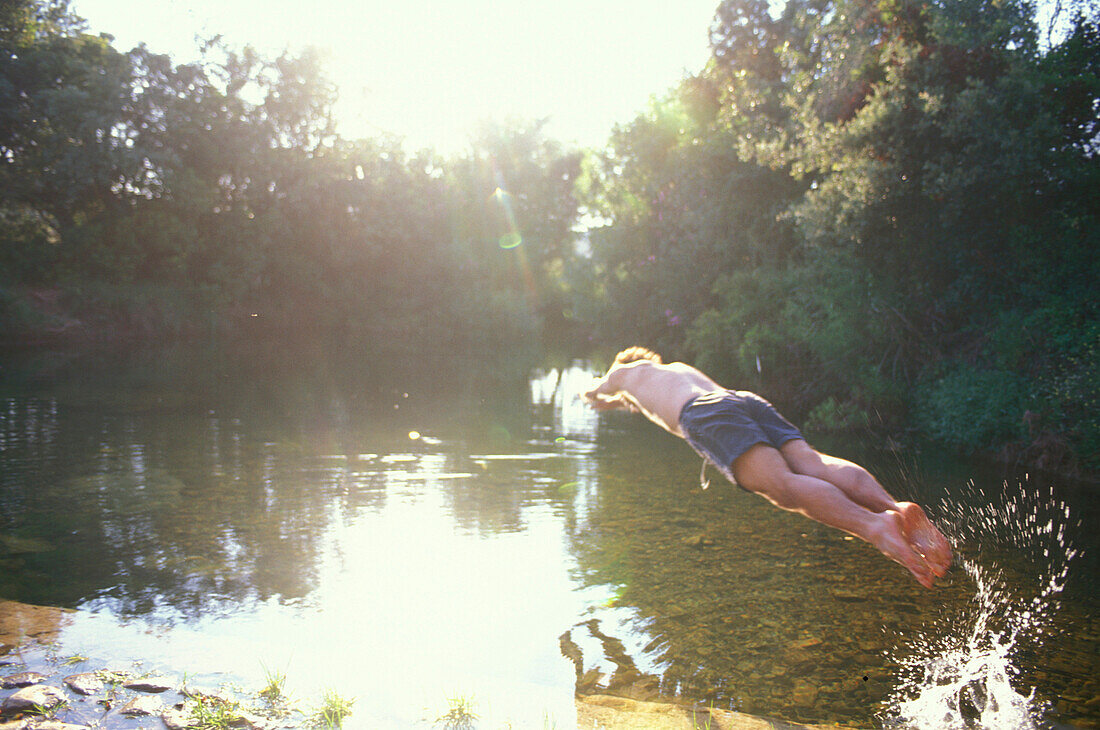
(605, 395)
(602, 402)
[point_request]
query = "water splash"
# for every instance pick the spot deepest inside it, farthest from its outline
(962, 674)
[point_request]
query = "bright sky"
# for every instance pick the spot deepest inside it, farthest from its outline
(430, 70)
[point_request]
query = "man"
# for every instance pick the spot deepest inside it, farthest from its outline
(742, 435)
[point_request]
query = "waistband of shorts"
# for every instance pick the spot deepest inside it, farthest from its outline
(683, 409)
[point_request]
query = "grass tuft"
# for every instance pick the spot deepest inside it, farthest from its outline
(460, 716)
(333, 711)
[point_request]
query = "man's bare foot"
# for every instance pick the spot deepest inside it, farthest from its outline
(891, 541)
(925, 538)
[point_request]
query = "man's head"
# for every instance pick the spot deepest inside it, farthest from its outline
(631, 354)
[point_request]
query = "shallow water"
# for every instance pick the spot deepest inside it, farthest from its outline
(407, 530)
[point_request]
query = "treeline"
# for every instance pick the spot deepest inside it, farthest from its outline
(144, 197)
(873, 211)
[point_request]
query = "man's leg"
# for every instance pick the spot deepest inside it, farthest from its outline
(762, 469)
(862, 488)
(850, 478)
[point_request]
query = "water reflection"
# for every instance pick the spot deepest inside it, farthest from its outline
(407, 528)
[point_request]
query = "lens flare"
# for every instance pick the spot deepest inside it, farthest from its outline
(512, 240)
(511, 237)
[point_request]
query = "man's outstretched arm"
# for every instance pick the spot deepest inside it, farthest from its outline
(606, 394)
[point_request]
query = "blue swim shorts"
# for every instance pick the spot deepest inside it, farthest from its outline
(723, 425)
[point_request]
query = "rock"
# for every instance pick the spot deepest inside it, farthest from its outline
(21, 545)
(142, 706)
(1086, 723)
(56, 725)
(150, 684)
(110, 676)
(589, 680)
(804, 695)
(86, 684)
(848, 596)
(30, 698)
(23, 679)
(174, 718)
(697, 541)
(625, 714)
(20, 622)
(248, 721)
(17, 725)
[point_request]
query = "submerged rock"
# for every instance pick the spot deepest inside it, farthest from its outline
(697, 541)
(22, 545)
(804, 695)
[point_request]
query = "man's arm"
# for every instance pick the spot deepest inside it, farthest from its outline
(606, 394)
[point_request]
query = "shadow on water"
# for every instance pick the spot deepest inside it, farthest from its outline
(257, 494)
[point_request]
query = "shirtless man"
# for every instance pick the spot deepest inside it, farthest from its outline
(746, 439)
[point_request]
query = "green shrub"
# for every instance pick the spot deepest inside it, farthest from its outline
(971, 408)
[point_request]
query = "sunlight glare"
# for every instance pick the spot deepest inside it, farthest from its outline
(429, 72)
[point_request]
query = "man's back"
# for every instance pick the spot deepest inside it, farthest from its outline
(658, 390)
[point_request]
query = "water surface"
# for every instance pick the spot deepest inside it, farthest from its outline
(406, 528)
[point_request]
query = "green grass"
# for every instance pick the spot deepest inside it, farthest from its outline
(333, 711)
(274, 690)
(460, 715)
(695, 721)
(48, 713)
(213, 713)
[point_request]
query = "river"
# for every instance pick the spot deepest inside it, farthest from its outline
(408, 528)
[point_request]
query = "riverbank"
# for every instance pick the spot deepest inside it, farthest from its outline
(42, 688)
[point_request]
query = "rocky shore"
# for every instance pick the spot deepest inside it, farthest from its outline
(53, 697)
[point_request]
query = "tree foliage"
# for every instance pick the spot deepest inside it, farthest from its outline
(872, 208)
(157, 197)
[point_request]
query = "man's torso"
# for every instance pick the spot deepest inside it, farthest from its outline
(661, 390)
